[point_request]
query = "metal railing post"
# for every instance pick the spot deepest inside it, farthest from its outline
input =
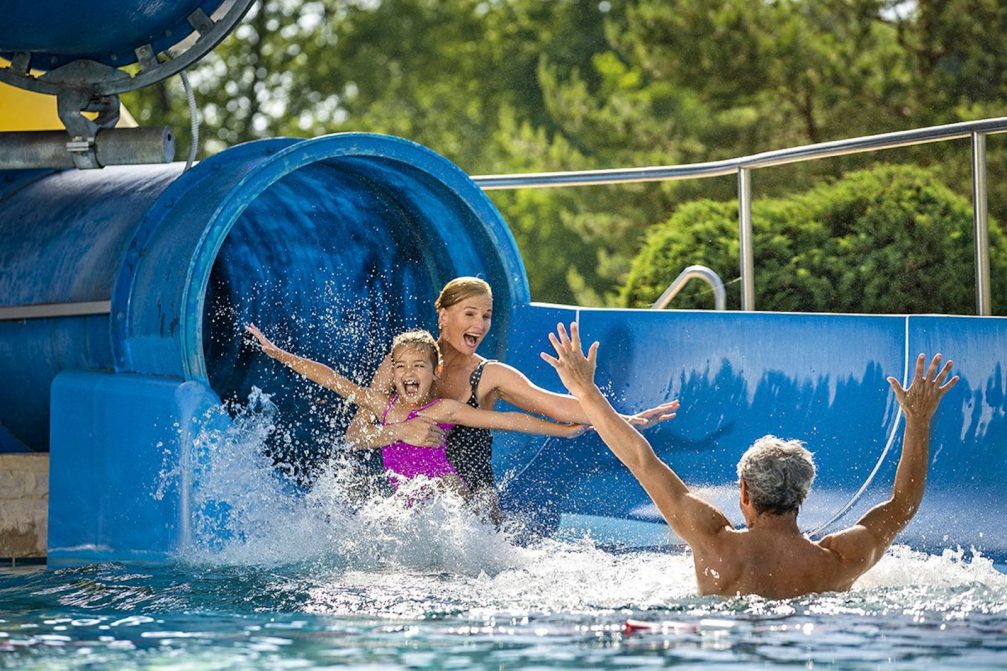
(745, 239)
(696, 272)
(980, 218)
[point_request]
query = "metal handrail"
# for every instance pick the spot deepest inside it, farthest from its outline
(742, 167)
(694, 273)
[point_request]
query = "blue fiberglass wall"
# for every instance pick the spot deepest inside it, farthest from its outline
(818, 378)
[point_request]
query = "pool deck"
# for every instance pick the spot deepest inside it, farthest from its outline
(24, 506)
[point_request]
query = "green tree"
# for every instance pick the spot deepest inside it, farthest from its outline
(435, 71)
(957, 54)
(526, 86)
(695, 81)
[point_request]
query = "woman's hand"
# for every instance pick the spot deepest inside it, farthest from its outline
(268, 348)
(652, 416)
(420, 431)
(574, 430)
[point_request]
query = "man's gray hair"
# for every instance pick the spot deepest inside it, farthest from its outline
(778, 474)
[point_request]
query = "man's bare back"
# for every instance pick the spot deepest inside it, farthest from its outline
(776, 564)
(771, 557)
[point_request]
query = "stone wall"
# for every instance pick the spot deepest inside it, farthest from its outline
(24, 504)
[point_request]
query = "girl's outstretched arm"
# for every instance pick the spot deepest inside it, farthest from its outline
(454, 412)
(321, 374)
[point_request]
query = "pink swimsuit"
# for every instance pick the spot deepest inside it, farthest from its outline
(407, 460)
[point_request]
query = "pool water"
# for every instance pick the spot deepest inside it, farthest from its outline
(319, 579)
(558, 605)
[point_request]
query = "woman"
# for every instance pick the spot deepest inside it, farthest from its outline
(464, 315)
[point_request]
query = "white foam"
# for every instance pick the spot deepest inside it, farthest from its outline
(904, 567)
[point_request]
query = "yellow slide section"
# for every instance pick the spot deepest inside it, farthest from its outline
(26, 110)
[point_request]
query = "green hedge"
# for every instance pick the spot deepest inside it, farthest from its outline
(891, 239)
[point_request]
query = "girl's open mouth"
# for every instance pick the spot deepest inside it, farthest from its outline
(411, 388)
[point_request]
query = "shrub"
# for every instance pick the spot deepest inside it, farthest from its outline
(891, 239)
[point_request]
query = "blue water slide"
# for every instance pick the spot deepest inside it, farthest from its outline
(331, 245)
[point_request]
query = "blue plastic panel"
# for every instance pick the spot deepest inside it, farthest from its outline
(965, 503)
(114, 437)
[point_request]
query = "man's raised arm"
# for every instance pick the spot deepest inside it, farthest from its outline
(694, 520)
(863, 544)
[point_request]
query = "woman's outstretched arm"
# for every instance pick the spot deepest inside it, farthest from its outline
(454, 412)
(515, 388)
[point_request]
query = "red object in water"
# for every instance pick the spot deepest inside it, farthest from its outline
(638, 626)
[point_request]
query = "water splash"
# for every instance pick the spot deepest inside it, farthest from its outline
(904, 567)
(240, 500)
(340, 548)
(247, 511)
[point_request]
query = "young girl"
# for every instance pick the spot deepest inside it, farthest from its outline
(415, 360)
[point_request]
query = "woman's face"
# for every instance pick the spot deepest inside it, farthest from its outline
(465, 324)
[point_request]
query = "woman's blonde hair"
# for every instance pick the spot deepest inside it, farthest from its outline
(459, 289)
(421, 340)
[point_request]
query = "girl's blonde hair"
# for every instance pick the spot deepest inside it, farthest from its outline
(459, 289)
(421, 340)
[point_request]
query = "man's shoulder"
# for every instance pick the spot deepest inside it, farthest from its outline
(855, 548)
(769, 565)
(846, 541)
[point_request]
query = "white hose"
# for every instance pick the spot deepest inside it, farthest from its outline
(194, 119)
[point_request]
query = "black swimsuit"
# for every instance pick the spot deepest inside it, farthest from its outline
(469, 450)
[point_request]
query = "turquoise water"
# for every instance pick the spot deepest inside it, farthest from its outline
(559, 605)
(322, 580)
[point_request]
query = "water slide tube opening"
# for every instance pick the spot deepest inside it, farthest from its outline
(332, 245)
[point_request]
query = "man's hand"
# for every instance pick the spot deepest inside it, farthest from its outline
(576, 371)
(925, 392)
(648, 418)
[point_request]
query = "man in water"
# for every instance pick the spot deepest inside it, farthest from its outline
(770, 557)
